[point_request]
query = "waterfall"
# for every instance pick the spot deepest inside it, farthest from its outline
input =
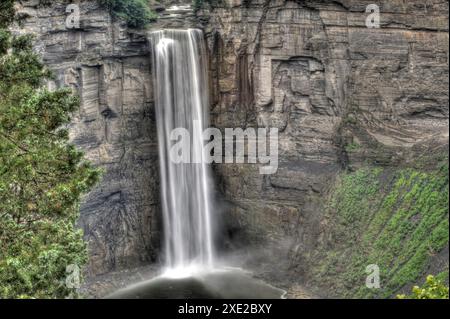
(181, 97)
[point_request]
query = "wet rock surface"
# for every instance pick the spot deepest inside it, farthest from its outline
(218, 284)
(100, 286)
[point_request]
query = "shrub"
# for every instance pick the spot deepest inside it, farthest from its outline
(198, 4)
(432, 289)
(136, 13)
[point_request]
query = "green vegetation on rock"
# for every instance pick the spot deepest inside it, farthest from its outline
(136, 13)
(352, 147)
(396, 219)
(42, 176)
(198, 4)
(7, 13)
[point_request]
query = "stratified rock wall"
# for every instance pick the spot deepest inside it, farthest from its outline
(340, 93)
(109, 67)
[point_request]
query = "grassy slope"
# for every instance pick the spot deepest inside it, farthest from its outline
(395, 219)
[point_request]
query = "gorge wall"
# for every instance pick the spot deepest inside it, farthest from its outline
(342, 95)
(327, 82)
(108, 66)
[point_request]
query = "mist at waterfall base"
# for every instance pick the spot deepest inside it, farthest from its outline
(192, 268)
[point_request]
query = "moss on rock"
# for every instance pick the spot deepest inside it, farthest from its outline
(396, 219)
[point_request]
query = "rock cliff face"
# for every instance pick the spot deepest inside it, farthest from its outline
(329, 84)
(108, 65)
(341, 94)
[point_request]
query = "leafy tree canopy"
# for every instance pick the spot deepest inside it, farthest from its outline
(42, 176)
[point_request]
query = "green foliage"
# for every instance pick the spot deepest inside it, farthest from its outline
(7, 13)
(35, 266)
(136, 13)
(42, 178)
(352, 147)
(198, 4)
(395, 219)
(432, 289)
(45, 3)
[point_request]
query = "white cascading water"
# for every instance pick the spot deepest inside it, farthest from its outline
(181, 97)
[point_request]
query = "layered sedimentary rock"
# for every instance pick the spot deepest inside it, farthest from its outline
(342, 95)
(108, 66)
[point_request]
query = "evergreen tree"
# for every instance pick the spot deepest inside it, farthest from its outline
(42, 176)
